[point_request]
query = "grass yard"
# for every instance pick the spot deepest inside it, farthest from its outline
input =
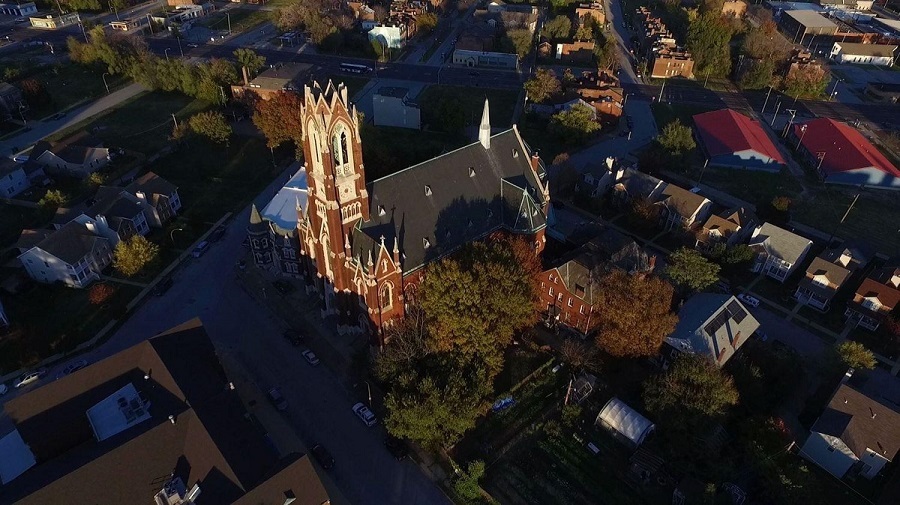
(241, 19)
(665, 114)
(752, 186)
(35, 336)
(471, 101)
(14, 219)
(213, 179)
(387, 150)
(71, 84)
(874, 219)
(142, 124)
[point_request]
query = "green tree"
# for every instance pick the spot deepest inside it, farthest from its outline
(52, 199)
(570, 415)
(278, 118)
(543, 86)
(607, 54)
(466, 484)
(766, 44)
(692, 389)
(247, 58)
(500, 299)
(850, 354)
(690, 270)
(585, 32)
(709, 39)
(132, 255)
(212, 125)
(426, 22)
(518, 41)
(806, 81)
(637, 314)
(676, 138)
(758, 74)
(558, 28)
(575, 125)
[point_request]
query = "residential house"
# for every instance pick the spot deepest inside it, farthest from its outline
(575, 52)
(827, 274)
(599, 177)
(159, 422)
(734, 8)
(876, 297)
(74, 255)
(274, 240)
(593, 10)
(53, 20)
(680, 208)
(496, 6)
(275, 79)
(18, 10)
(12, 104)
(867, 54)
(730, 139)
(859, 431)
(159, 198)
(392, 35)
(842, 155)
(124, 212)
(632, 184)
(392, 106)
(729, 228)
(569, 292)
(711, 325)
(78, 156)
(17, 177)
(778, 251)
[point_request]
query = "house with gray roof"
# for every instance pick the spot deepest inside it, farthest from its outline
(778, 251)
(859, 431)
(18, 177)
(632, 184)
(827, 273)
(680, 208)
(78, 156)
(158, 196)
(273, 236)
(74, 255)
(711, 325)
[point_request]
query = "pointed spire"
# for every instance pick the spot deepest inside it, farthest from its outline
(484, 131)
(371, 264)
(396, 251)
(255, 218)
(347, 243)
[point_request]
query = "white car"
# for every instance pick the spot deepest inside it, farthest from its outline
(364, 414)
(749, 300)
(310, 357)
(30, 377)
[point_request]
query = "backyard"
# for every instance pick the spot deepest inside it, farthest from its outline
(14, 219)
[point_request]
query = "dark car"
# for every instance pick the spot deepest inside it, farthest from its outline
(283, 287)
(72, 368)
(323, 456)
(293, 336)
(397, 447)
(216, 234)
(278, 399)
(162, 286)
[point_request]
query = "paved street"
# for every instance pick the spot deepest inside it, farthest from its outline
(643, 133)
(320, 405)
(617, 22)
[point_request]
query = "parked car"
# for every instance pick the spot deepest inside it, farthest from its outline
(21, 20)
(217, 234)
(293, 336)
(323, 456)
(72, 368)
(278, 399)
(364, 414)
(193, 46)
(310, 357)
(162, 286)
(201, 249)
(749, 300)
(283, 287)
(30, 377)
(397, 447)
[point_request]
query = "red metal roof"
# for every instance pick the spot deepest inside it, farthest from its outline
(726, 131)
(844, 147)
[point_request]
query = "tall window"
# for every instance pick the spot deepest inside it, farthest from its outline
(326, 255)
(341, 151)
(386, 296)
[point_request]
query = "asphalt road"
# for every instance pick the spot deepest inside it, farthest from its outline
(319, 405)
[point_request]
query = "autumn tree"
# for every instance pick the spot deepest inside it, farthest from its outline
(765, 44)
(34, 92)
(806, 81)
(132, 255)
(690, 270)
(558, 28)
(850, 354)
(499, 299)
(709, 39)
(575, 125)
(279, 120)
(52, 199)
(247, 58)
(99, 293)
(636, 314)
(693, 389)
(518, 41)
(607, 54)
(543, 86)
(426, 22)
(212, 125)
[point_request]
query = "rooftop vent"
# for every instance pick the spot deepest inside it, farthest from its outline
(471, 172)
(426, 243)
(427, 190)
(117, 412)
(175, 493)
(515, 153)
(382, 212)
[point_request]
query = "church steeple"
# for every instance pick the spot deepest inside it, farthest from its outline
(484, 131)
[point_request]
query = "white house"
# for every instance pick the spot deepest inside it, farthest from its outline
(392, 36)
(778, 251)
(158, 196)
(78, 156)
(859, 431)
(872, 54)
(75, 254)
(17, 177)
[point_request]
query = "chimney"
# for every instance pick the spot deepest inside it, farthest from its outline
(535, 161)
(246, 75)
(484, 131)
(847, 376)
(141, 196)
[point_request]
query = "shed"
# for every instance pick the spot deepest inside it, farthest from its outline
(625, 421)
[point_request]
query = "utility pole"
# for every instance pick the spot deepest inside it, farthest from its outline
(763, 111)
(228, 15)
(777, 106)
(661, 92)
(793, 113)
(178, 38)
(150, 23)
(104, 81)
(706, 81)
(175, 121)
(855, 198)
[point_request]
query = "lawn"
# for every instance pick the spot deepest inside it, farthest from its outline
(387, 150)
(471, 101)
(142, 124)
(213, 179)
(241, 19)
(874, 218)
(752, 186)
(74, 320)
(72, 84)
(665, 113)
(14, 219)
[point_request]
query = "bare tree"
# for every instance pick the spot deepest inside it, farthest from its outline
(580, 356)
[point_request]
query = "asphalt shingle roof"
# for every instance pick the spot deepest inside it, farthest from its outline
(862, 422)
(779, 242)
(71, 242)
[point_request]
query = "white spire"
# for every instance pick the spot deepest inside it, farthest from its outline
(484, 131)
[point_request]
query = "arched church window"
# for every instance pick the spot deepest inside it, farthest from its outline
(386, 296)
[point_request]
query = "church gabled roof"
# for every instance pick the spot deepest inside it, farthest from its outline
(435, 207)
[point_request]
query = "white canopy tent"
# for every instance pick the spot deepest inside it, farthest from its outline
(625, 421)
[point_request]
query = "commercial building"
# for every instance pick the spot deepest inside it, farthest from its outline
(797, 24)
(733, 140)
(275, 79)
(469, 58)
(871, 54)
(18, 10)
(129, 25)
(53, 21)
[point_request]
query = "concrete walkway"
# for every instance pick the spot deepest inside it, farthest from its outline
(123, 281)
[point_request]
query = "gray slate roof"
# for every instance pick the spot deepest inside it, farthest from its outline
(849, 416)
(712, 325)
(71, 242)
(435, 207)
(152, 184)
(779, 242)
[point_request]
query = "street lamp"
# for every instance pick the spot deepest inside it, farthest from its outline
(834, 89)
(166, 53)
(104, 81)
(802, 133)
(172, 235)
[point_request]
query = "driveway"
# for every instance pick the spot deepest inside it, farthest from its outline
(773, 324)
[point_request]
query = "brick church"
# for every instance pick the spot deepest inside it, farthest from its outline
(363, 246)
